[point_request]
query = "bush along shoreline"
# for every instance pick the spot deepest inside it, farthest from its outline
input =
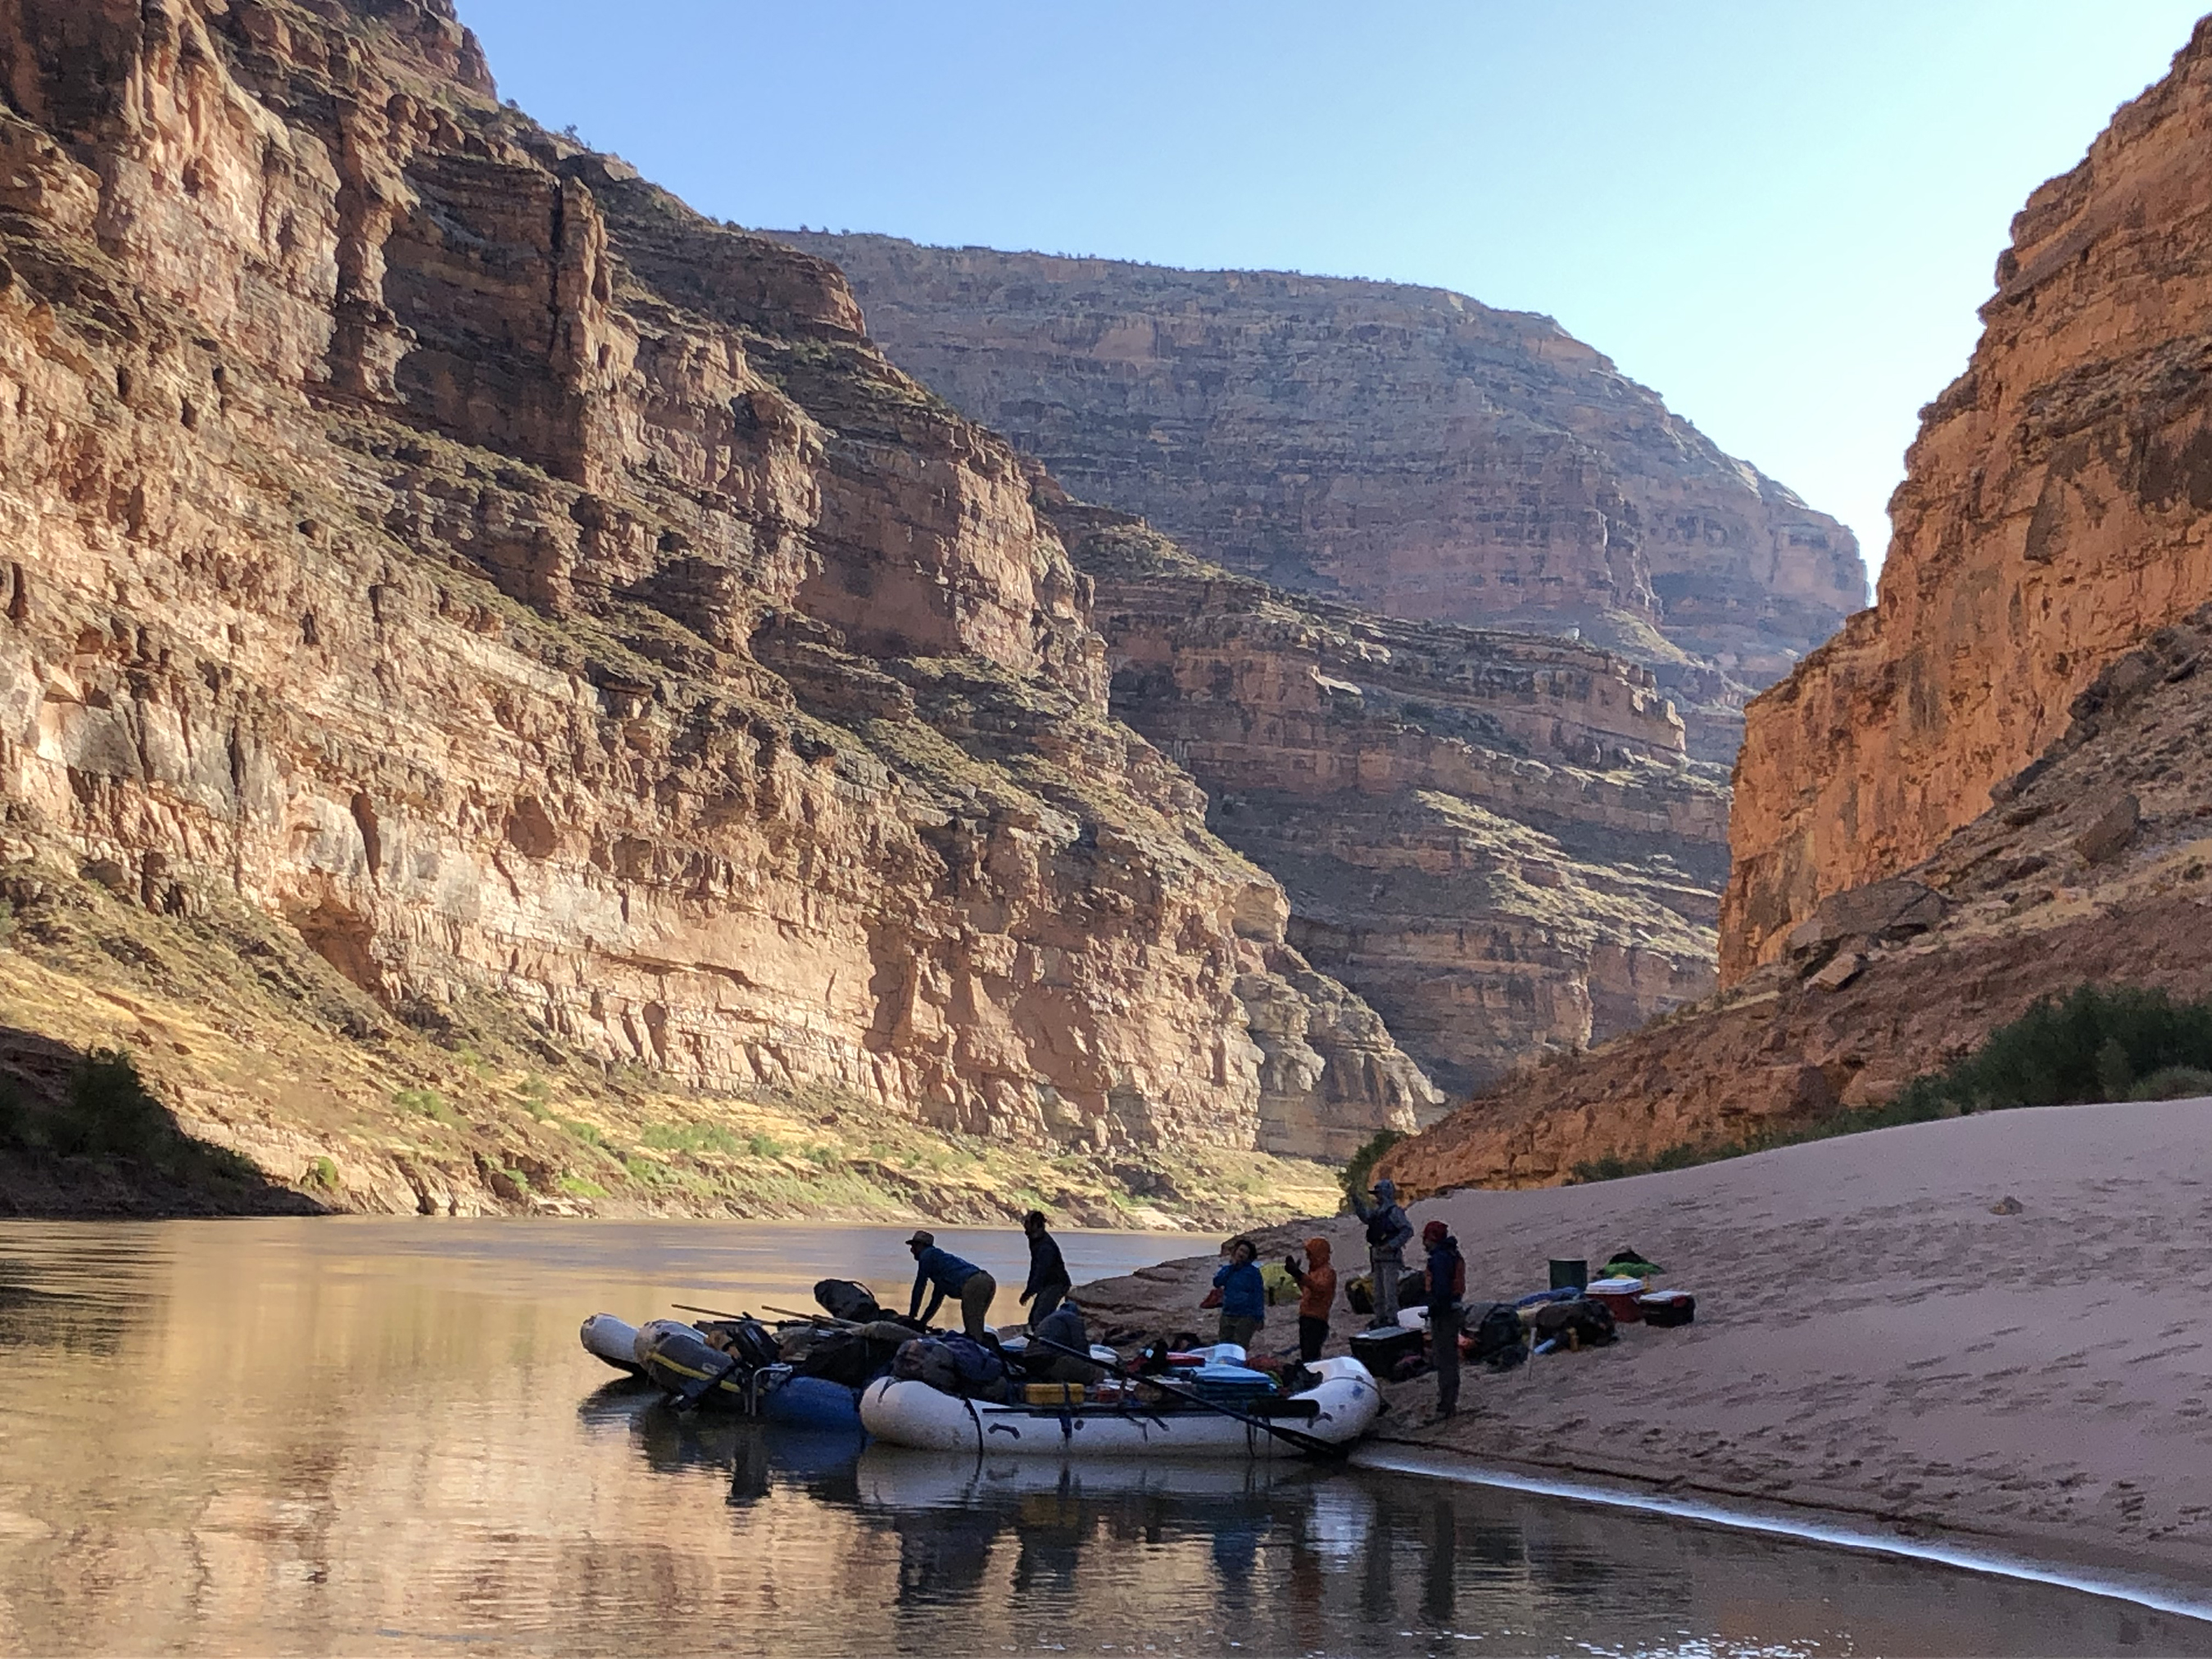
(2120, 1042)
(103, 1144)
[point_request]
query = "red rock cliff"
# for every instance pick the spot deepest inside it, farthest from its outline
(2056, 508)
(432, 534)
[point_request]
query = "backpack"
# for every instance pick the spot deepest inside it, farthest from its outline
(748, 1341)
(844, 1298)
(1584, 1322)
(1498, 1341)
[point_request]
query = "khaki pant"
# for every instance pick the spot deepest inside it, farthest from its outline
(1239, 1331)
(975, 1297)
(1386, 1268)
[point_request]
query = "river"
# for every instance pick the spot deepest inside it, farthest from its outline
(352, 1435)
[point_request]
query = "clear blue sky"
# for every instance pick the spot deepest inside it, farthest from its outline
(1781, 215)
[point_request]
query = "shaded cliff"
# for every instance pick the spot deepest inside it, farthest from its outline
(2095, 865)
(1406, 449)
(1494, 838)
(2054, 511)
(431, 536)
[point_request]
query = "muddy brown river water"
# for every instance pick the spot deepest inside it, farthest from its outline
(370, 1436)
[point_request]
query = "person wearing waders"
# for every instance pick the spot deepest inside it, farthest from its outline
(948, 1275)
(1049, 1280)
(1388, 1232)
(1447, 1284)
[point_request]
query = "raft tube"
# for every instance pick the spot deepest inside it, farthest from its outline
(614, 1340)
(813, 1403)
(1343, 1406)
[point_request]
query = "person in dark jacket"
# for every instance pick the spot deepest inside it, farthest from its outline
(1049, 1280)
(1388, 1232)
(948, 1275)
(1062, 1362)
(1243, 1295)
(1447, 1286)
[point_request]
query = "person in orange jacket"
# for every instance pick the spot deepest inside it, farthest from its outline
(1316, 1283)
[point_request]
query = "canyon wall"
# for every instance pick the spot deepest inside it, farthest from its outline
(2096, 866)
(1405, 449)
(429, 534)
(1495, 838)
(2055, 509)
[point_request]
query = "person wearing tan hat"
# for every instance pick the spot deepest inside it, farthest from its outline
(948, 1275)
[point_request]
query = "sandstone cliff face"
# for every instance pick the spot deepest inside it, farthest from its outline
(1494, 838)
(2095, 865)
(2055, 510)
(437, 537)
(1406, 449)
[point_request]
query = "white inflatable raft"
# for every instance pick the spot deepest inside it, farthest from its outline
(1337, 1412)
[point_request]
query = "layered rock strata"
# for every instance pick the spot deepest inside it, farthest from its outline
(431, 534)
(2055, 509)
(2094, 865)
(1495, 838)
(1405, 449)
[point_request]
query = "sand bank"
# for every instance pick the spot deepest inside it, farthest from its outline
(1873, 1342)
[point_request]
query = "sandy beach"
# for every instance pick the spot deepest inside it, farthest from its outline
(1874, 1340)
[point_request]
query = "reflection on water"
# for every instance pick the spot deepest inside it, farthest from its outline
(352, 1435)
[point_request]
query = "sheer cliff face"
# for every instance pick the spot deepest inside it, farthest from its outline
(442, 539)
(1495, 838)
(2055, 510)
(1405, 449)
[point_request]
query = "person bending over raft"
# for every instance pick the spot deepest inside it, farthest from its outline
(1316, 1283)
(1388, 1232)
(948, 1275)
(1243, 1295)
(1049, 1280)
(1447, 1284)
(1063, 1327)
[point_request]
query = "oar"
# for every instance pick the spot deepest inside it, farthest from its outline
(712, 1313)
(811, 1318)
(1305, 1442)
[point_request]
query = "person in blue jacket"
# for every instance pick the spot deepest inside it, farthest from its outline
(948, 1275)
(1243, 1295)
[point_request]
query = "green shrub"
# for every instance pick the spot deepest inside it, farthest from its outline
(426, 1102)
(692, 1138)
(1353, 1176)
(766, 1146)
(2174, 1083)
(578, 1187)
(2090, 1046)
(111, 1114)
(323, 1172)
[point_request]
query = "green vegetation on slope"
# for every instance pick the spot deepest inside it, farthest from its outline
(2099, 1043)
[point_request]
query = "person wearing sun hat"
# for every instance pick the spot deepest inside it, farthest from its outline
(948, 1275)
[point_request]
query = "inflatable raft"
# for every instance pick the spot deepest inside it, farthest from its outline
(1337, 1411)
